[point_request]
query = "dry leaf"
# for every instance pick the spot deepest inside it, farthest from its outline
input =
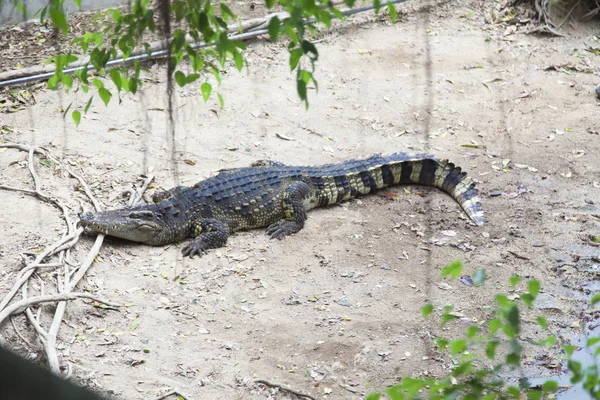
(282, 136)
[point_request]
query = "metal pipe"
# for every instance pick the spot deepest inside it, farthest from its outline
(164, 52)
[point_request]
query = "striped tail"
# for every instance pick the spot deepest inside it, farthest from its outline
(347, 180)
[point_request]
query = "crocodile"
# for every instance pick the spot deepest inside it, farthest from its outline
(273, 195)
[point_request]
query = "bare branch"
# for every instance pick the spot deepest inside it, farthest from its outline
(22, 305)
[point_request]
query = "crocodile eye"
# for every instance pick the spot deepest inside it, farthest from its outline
(147, 215)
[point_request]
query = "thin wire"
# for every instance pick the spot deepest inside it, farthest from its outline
(165, 52)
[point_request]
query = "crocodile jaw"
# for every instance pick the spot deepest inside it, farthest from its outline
(135, 224)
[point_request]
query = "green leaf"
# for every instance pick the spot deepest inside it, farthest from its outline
(226, 12)
(88, 105)
(514, 280)
(490, 349)
(326, 18)
(59, 19)
(534, 394)
(373, 396)
(76, 115)
(67, 110)
(239, 60)
(447, 318)
(463, 369)
(295, 59)
(575, 368)
(133, 85)
(338, 14)
(309, 48)
(206, 89)
(105, 95)
(77, 3)
(221, 101)
(192, 78)
(542, 322)
(426, 310)
(67, 81)
(550, 387)
(528, 299)
(514, 392)
(503, 301)
(479, 277)
(533, 287)
(453, 269)
(270, 3)
(98, 83)
(180, 78)
(273, 28)
(301, 87)
(472, 331)
(513, 359)
(569, 349)
(593, 340)
(495, 324)
(393, 12)
(116, 78)
(53, 82)
(595, 299)
(513, 318)
(441, 344)
(458, 346)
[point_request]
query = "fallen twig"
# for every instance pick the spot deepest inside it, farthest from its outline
(284, 389)
(171, 393)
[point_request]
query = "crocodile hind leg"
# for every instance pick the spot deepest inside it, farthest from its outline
(295, 213)
(210, 234)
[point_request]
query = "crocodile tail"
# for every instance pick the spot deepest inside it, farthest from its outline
(426, 170)
(347, 180)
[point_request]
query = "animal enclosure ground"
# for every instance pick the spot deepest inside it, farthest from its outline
(334, 310)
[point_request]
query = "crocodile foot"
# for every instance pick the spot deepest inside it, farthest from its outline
(194, 248)
(281, 229)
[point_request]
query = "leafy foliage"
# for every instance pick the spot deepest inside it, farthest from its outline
(195, 21)
(481, 376)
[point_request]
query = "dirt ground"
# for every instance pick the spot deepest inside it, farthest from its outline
(333, 311)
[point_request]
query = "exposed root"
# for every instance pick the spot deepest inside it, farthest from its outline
(69, 278)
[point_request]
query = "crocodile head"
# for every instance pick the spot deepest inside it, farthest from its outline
(145, 224)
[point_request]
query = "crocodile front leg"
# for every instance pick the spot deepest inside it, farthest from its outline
(295, 213)
(210, 234)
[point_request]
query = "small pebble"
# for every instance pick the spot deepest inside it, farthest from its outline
(587, 201)
(385, 266)
(495, 193)
(598, 92)
(537, 244)
(467, 280)
(343, 302)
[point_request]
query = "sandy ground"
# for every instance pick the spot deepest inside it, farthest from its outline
(332, 311)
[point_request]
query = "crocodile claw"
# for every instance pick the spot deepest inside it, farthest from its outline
(281, 229)
(194, 248)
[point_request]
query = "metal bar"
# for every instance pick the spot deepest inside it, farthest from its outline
(164, 52)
